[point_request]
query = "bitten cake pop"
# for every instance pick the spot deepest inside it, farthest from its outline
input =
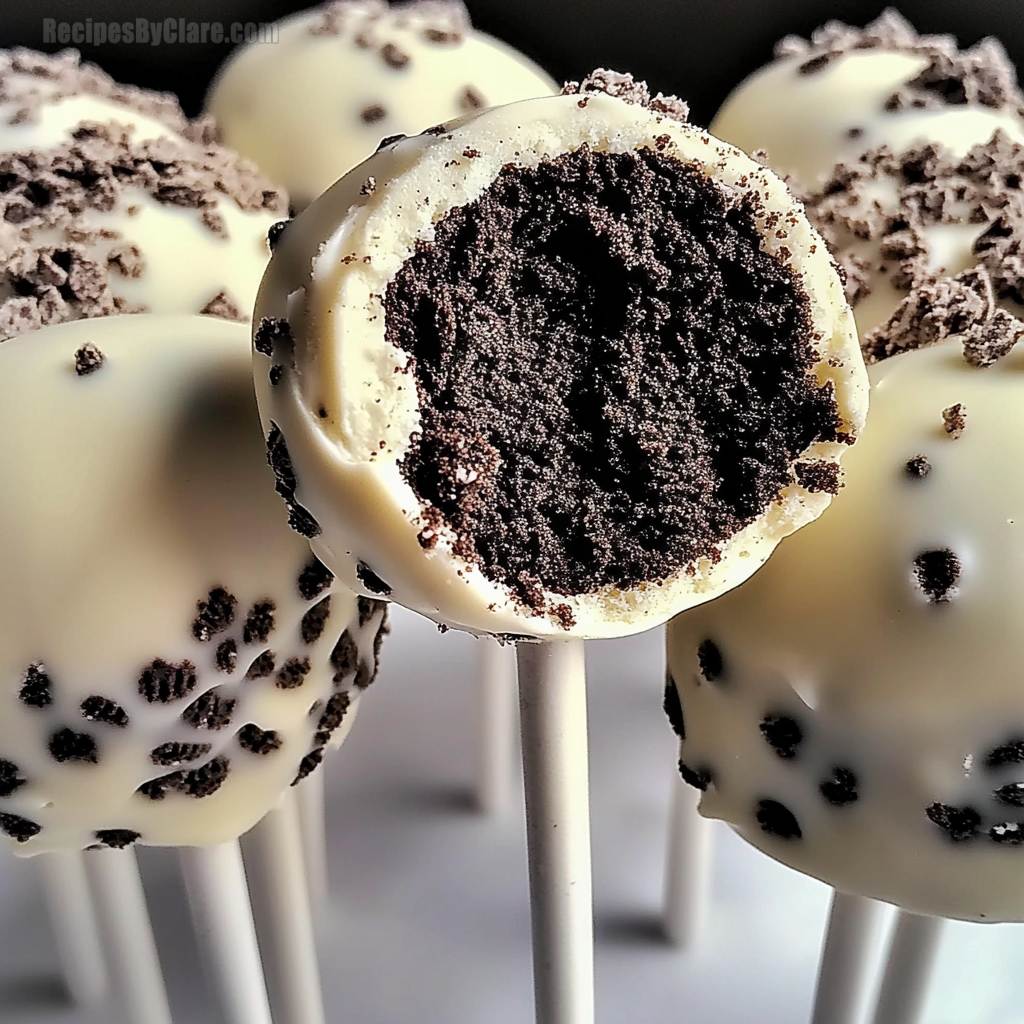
(174, 657)
(562, 369)
(114, 219)
(341, 77)
(848, 89)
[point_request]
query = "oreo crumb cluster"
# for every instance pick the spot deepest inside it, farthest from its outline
(588, 367)
(346, 75)
(172, 655)
(111, 202)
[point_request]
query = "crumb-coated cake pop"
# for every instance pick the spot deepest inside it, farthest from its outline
(855, 709)
(561, 368)
(343, 76)
(847, 90)
(113, 217)
(171, 655)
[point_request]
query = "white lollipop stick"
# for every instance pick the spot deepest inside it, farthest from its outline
(219, 899)
(496, 736)
(75, 928)
(553, 723)
(845, 971)
(128, 936)
(687, 866)
(289, 947)
(310, 797)
(912, 954)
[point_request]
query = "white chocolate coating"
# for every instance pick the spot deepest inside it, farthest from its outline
(297, 106)
(910, 695)
(129, 494)
(330, 269)
(803, 121)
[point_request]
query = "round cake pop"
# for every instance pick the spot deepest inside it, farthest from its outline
(561, 369)
(826, 101)
(115, 217)
(174, 657)
(341, 77)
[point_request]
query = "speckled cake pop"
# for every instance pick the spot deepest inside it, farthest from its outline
(120, 213)
(171, 655)
(847, 90)
(464, 420)
(343, 76)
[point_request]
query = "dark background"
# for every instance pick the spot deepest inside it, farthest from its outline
(697, 49)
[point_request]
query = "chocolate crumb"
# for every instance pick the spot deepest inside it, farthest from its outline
(936, 573)
(394, 57)
(88, 359)
(224, 306)
(308, 764)
(293, 673)
(210, 710)
(368, 607)
(709, 657)
(817, 476)
(841, 789)
(699, 778)
(173, 753)
(18, 828)
(368, 187)
(10, 777)
(855, 132)
(373, 113)
(371, 580)
(214, 614)
(344, 657)
(917, 467)
(960, 824)
(954, 420)
(273, 331)
(783, 734)
(314, 579)
(299, 519)
(259, 741)
(1011, 794)
(332, 717)
(36, 687)
(68, 745)
(163, 682)
(117, 838)
(816, 64)
(274, 233)
(777, 820)
(262, 667)
(1009, 832)
(275, 374)
(673, 708)
(226, 657)
(1011, 752)
(103, 710)
(315, 621)
(259, 623)
(625, 87)
(390, 140)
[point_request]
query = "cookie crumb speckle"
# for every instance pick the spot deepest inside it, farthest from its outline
(88, 359)
(954, 420)
(936, 574)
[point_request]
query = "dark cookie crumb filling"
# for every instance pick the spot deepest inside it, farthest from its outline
(371, 580)
(226, 657)
(199, 782)
(954, 420)
(314, 579)
(699, 778)
(917, 467)
(68, 745)
(258, 741)
(117, 838)
(332, 717)
(1011, 752)
(172, 754)
(308, 764)
(673, 708)
(777, 820)
(102, 709)
(210, 710)
(10, 777)
(299, 518)
(293, 673)
(214, 614)
(936, 574)
(163, 682)
(315, 621)
(36, 687)
(841, 789)
(709, 658)
(783, 734)
(88, 359)
(961, 824)
(259, 623)
(817, 476)
(262, 667)
(614, 378)
(18, 828)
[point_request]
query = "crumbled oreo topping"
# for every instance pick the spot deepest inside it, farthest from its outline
(259, 623)
(308, 764)
(274, 233)
(314, 579)
(954, 420)
(699, 778)
(210, 710)
(214, 614)
(1011, 752)
(777, 820)
(226, 657)
(673, 708)
(936, 573)
(172, 754)
(917, 467)
(299, 519)
(960, 824)
(224, 306)
(930, 186)
(315, 621)
(10, 777)
(293, 673)
(841, 789)
(1012, 794)
(709, 658)
(344, 657)
(117, 838)
(198, 782)
(818, 476)
(273, 331)
(581, 442)
(982, 75)
(332, 717)
(36, 687)
(371, 580)
(783, 734)
(163, 682)
(104, 710)
(68, 745)
(367, 608)
(259, 741)
(88, 359)
(18, 828)
(262, 667)
(626, 87)
(57, 265)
